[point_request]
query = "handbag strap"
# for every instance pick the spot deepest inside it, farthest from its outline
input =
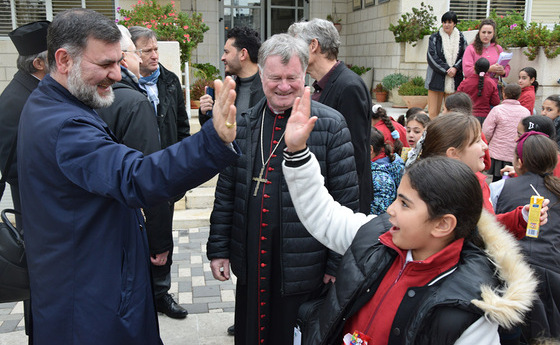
(11, 228)
(7, 167)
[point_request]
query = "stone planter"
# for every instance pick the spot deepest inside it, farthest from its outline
(415, 101)
(368, 79)
(397, 100)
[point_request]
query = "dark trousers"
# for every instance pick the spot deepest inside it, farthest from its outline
(161, 275)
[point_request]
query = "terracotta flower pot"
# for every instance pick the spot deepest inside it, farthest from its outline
(381, 96)
(195, 104)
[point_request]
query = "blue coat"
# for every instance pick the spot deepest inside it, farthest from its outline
(85, 238)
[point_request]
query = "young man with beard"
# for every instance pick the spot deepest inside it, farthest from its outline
(240, 60)
(81, 191)
(164, 91)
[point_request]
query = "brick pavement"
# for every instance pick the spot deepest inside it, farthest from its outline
(192, 283)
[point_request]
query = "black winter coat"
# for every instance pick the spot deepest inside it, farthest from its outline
(132, 120)
(423, 317)
(172, 116)
(437, 65)
(330, 142)
(346, 92)
(12, 100)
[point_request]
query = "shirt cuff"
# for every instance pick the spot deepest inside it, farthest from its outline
(298, 158)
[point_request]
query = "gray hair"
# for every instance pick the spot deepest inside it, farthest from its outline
(71, 30)
(126, 39)
(25, 62)
(286, 47)
(320, 29)
(138, 32)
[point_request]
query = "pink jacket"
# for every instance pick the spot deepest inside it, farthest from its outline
(500, 128)
(492, 53)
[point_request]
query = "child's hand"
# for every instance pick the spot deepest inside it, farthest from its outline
(544, 212)
(508, 168)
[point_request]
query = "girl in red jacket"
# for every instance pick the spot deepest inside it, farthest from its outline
(482, 90)
(529, 85)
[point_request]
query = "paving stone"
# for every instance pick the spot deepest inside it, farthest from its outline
(206, 291)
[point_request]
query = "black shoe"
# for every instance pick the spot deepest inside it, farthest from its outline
(169, 307)
(231, 330)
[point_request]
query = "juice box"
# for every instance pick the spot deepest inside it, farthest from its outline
(534, 216)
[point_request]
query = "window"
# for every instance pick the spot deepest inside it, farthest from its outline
(15, 13)
(480, 9)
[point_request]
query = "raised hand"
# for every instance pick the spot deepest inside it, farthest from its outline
(224, 110)
(300, 124)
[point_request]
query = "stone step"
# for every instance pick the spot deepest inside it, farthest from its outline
(201, 197)
(191, 218)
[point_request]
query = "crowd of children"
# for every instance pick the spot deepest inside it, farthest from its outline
(486, 142)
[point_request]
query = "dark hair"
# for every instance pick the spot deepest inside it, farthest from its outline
(555, 99)
(377, 141)
(402, 119)
(449, 15)
(532, 73)
(459, 102)
(381, 114)
(539, 123)
(422, 118)
(481, 65)
(452, 188)
(450, 130)
(477, 44)
(512, 91)
(540, 156)
(72, 28)
(245, 37)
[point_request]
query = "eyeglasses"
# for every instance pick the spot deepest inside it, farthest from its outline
(137, 51)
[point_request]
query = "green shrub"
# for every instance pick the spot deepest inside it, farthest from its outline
(414, 87)
(394, 80)
(412, 27)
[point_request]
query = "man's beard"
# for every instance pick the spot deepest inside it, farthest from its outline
(87, 93)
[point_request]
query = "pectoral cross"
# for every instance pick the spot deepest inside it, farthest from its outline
(259, 180)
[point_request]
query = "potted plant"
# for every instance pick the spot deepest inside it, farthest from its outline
(391, 83)
(414, 93)
(380, 93)
(336, 20)
(205, 73)
(412, 27)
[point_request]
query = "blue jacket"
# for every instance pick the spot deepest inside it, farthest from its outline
(85, 239)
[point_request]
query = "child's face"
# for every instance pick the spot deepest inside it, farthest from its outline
(550, 109)
(411, 228)
(520, 130)
(524, 79)
(473, 155)
(414, 130)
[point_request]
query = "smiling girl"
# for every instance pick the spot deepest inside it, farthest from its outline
(416, 274)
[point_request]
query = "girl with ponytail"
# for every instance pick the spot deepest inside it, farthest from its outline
(535, 158)
(394, 132)
(529, 85)
(483, 91)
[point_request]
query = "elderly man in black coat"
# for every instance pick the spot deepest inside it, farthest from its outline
(341, 89)
(30, 41)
